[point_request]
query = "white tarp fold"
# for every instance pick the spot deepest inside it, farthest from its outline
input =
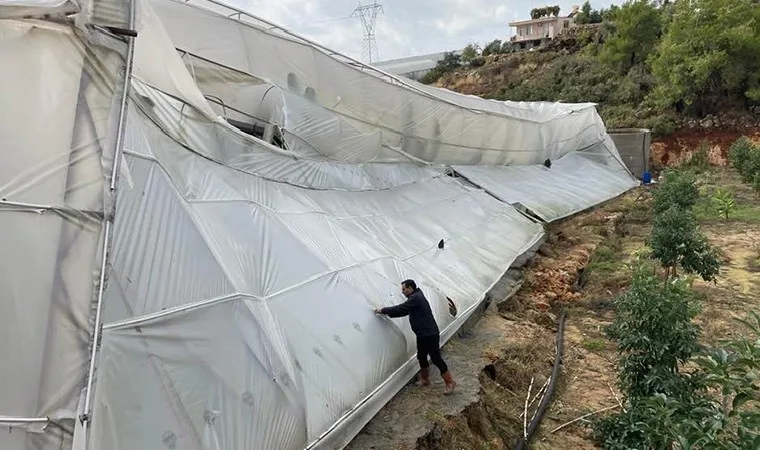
(572, 184)
(58, 115)
(275, 262)
(432, 126)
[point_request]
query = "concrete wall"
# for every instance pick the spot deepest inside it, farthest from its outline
(633, 145)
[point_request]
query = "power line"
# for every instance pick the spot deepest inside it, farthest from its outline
(318, 22)
(368, 15)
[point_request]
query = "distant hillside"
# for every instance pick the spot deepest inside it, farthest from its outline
(661, 65)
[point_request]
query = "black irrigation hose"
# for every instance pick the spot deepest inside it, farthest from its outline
(542, 407)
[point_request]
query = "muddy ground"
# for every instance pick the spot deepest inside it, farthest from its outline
(582, 266)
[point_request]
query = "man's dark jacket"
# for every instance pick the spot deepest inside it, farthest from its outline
(420, 316)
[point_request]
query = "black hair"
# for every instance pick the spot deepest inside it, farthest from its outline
(410, 284)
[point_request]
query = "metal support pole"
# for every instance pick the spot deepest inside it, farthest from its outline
(22, 420)
(108, 224)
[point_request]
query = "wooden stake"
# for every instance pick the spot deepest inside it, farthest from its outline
(583, 417)
(525, 412)
(538, 394)
(616, 397)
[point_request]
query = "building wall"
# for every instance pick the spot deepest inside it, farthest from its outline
(633, 145)
(540, 28)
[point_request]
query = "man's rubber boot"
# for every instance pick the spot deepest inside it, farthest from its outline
(424, 377)
(450, 383)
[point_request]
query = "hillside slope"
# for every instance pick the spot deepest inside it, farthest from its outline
(667, 68)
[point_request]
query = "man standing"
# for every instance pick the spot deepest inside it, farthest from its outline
(425, 328)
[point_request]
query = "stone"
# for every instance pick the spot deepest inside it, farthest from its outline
(546, 319)
(542, 306)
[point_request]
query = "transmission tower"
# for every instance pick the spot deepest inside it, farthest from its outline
(368, 15)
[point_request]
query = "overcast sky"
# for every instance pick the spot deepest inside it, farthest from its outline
(407, 27)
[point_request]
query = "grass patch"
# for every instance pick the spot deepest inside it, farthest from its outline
(594, 345)
(744, 212)
(747, 208)
(608, 257)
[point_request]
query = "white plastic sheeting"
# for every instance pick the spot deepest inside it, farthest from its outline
(572, 184)
(309, 130)
(111, 13)
(244, 305)
(434, 126)
(242, 276)
(59, 104)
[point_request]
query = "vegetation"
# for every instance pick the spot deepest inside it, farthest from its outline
(678, 394)
(675, 240)
(493, 48)
(470, 52)
(700, 160)
(450, 62)
(588, 15)
(646, 63)
(547, 11)
(655, 334)
(715, 406)
(725, 202)
(679, 189)
(745, 157)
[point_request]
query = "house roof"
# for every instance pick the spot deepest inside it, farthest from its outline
(534, 21)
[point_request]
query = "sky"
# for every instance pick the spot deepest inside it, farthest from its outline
(406, 27)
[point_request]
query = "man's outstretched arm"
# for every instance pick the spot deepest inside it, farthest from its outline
(399, 310)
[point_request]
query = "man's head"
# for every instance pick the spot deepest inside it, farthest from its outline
(407, 287)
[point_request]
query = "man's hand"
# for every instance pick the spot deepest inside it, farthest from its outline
(378, 311)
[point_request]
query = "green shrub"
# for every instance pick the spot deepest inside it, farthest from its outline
(431, 77)
(478, 61)
(675, 240)
(646, 423)
(662, 124)
(725, 202)
(745, 158)
(739, 153)
(492, 48)
(720, 411)
(700, 159)
(752, 166)
(678, 189)
(655, 335)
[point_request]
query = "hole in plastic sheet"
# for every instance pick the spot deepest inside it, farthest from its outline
(292, 81)
(169, 439)
(209, 417)
(490, 370)
(337, 339)
(310, 94)
(256, 130)
(452, 307)
(317, 352)
(357, 327)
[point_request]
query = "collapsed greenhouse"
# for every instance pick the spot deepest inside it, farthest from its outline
(200, 211)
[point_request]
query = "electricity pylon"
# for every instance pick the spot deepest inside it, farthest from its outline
(368, 15)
